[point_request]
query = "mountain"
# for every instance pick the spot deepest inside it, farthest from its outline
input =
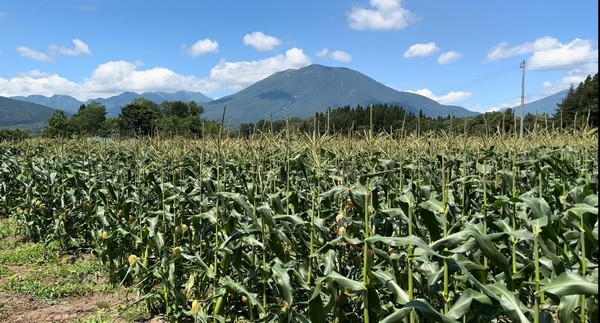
(295, 93)
(60, 102)
(185, 96)
(544, 105)
(23, 115)
(115, 103)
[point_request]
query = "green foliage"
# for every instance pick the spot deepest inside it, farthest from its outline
(58, 126)
(183, 119)
(580, 104)
(396, 120)
(13, 135)
(139, 117)
(89, 120)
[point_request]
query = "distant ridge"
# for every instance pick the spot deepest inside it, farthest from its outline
(544, 105)
(113, 104)
(297, 93)
(60, 102)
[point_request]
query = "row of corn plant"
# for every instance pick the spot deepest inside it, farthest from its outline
(310, 227)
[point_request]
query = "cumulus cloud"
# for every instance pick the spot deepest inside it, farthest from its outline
(261, 42)
(115, 77)
(81, 48)
(33, 54)
(448, 98)
(118, 76)
(578, 58)
(577, 54)
(107, 79)
(502, 50)
(421, 50)
(337, 55)
(323, 53)
(381, 15)
(33, 73)
(48, 85)
(449, 57)
(549, 53)
(201, 47)
(237, 75)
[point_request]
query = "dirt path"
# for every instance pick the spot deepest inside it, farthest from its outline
(31, 276)
(23, 308)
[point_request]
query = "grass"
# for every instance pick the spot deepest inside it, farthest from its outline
(126, 313)
(41, 271)
(29, 253)
(52, 279)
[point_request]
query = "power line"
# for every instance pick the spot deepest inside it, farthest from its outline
(581, 59)
(481, 79)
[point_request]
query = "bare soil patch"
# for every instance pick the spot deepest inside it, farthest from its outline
(22, 308)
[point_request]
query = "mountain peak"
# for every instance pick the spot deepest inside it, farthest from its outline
(295, 92)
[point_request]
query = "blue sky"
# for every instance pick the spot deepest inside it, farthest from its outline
(457, 52)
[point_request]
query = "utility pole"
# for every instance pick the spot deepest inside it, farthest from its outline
(522, 98)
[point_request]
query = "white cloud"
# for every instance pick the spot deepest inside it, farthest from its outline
(202, 47)
(382, 15)
(501, 50)
(573, 77)
(2, 14)
(81, 48)
(421, 50)
(323, 52)
(107, 79)
(33, 54)
(577, 54)
(337, 55)
(577, 57)
(341, 56)
(47, 85)
(550, 53)
(33, 73)
(260, 41)
(115, 77)
(448, 57)
(448, 98)
(237, 75)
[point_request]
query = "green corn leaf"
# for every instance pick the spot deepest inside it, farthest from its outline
(569, 283)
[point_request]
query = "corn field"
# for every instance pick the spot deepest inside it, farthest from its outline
(294, 227)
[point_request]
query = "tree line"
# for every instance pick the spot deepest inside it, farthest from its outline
(141, 117)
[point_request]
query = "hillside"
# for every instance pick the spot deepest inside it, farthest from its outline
(16, 114)
(545, 105)
(297, 93)
(115, 103)
(60, 102)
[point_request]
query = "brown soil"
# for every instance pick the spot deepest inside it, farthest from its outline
(19, 270)
(22, 308)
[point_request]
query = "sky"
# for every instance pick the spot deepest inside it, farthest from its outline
(459, 52)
